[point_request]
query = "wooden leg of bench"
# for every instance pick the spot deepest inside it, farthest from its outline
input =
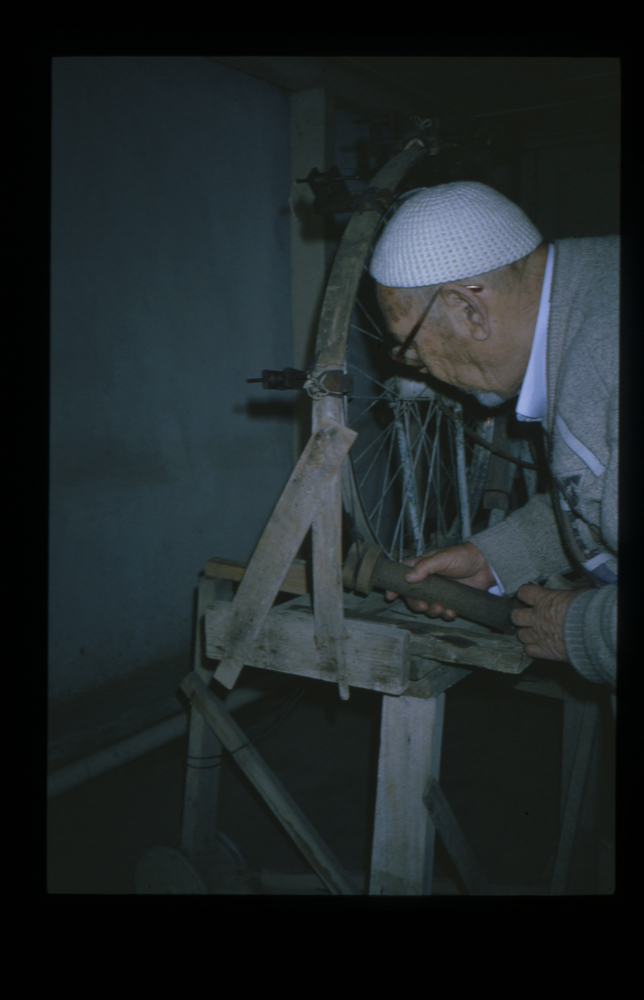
(204, 748)
(580, 739)
(402, 857)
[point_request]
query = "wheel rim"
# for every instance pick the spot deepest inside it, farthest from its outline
(430, 506)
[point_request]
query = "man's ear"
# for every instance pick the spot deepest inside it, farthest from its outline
(468, 311)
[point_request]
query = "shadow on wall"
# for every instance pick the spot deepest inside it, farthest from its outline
(272, 409)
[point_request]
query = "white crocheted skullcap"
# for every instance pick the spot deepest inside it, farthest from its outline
(451, 232)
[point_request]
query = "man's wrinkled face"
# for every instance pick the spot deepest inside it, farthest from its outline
(438, 348)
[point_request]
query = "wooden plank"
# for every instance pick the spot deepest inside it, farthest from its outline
(294, 582)
(377, 655)
(403, 840)
(429, 678)
(455, 843)
(269, 787)
(536, 685)
(464, 647)
(328, 603)
(280, 542)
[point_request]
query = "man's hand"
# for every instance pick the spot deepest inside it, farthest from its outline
(541, 624)
(463, 563)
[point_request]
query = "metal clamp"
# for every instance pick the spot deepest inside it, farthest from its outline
(328, 383)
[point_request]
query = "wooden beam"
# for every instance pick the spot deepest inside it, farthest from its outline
(202, 782)
(328, 604)
(402, 854)
(578, 782)
(294, 582)
(376, 655)
(272, 791)
(460, 646)
(280, 542)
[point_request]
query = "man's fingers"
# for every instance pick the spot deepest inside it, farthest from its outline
(414, 605)
(438, 611)
(521, 616)
(422, 566)
(420, 572)
(528, 593)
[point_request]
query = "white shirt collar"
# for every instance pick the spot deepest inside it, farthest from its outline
(532, 401)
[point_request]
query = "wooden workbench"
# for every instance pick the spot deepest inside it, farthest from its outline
(412, 661)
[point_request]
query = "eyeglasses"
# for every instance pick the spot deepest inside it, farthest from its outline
(400, 354)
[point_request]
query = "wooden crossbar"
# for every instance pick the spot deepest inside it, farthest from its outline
(269, 787)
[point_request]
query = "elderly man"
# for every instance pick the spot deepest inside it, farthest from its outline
(468, 287)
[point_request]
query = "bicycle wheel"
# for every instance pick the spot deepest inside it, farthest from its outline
(413, 480)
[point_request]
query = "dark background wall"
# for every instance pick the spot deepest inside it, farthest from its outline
(171, 284)
(169, 287)
(174, 245)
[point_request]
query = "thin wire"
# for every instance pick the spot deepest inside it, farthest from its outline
(497, 451)
(421, 431)
(424, 446)
(380, 504)
(366, 333)
(409, 489)
(382, 499)
(372, 379)
(383, 434)
(364, 412)
(374, 325)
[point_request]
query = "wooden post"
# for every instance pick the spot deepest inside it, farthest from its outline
(204, 748)
(280, 541)
(402, 857)
(328, 599)
(269, 787)
(582, 724)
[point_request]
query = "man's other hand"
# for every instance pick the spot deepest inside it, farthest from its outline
(463, 563)
(541, 624)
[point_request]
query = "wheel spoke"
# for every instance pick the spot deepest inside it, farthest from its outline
(371, 379)
(380, 505)
(374, 325)
(388, 431)
(366, 332)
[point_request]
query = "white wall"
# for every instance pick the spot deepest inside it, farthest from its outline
(169, 287)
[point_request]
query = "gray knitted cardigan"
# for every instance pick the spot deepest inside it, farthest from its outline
(576, 525)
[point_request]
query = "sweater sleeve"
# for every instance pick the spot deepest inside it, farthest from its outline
(590, 634)
(525, 547)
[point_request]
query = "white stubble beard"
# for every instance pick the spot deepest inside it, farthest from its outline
(488, 399)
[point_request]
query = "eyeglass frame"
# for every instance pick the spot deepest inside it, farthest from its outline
(411, 336)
